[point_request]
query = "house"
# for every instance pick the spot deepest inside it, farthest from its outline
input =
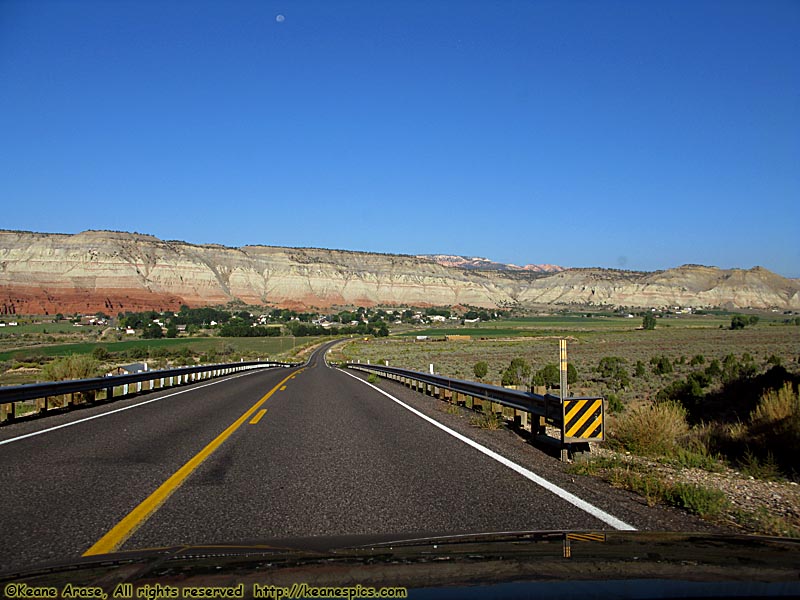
(128, 369)
(130, 331)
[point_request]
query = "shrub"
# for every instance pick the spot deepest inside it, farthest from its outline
(776, 406)
(75, 366)
(703, 501)
(372, 378)
(714, 369)
(613, 368)
(688, 392)
(662, 365)
(639, 370)
(652, 429)
(609, 365)
(614, 404)
(480, 369)
(697, 359)
(766, 469)
(487, 421)
(774, 360)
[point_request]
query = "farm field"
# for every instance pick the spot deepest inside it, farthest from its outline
(49, 328)
(24, 365)
(272, 345)
(575, 324)
(585, 349)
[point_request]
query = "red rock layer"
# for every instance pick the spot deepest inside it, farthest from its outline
(24, 300)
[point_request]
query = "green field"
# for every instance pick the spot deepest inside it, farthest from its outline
(538, 326)
(268, 346)
(61, 327)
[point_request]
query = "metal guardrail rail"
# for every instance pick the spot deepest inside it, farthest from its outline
(88, 388)
(579, 420)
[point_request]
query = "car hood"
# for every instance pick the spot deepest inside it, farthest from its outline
(503, 564)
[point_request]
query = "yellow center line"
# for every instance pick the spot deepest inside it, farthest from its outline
(117, 535)
(258, 416)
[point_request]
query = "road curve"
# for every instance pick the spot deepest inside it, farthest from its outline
(279, 453)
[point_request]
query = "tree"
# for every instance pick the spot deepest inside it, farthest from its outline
(739, 322)
(649, 322)
(152, 331)
(548, 375)
(753, 319)
(480, 369)
(517, 373)
(572, 374)
(100, 353)
(172, 330)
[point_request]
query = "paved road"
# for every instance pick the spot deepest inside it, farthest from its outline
(331, 455)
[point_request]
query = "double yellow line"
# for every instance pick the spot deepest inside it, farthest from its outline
(117, 535)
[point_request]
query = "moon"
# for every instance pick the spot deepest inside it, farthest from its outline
(280, 18)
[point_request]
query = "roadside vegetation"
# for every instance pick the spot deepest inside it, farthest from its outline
(702, 414)
(702, 409)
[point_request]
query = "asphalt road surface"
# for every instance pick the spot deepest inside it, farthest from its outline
(277, 453)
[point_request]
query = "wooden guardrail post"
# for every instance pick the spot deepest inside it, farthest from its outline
(524, 417)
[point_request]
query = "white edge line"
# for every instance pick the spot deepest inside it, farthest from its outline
(111, 412)
(550, 487)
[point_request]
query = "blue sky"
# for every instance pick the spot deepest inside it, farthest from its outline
(641, 135)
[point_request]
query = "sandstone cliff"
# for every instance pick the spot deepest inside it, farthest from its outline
(114, 271)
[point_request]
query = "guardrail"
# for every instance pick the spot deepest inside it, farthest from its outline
(579, 420)
(48, 395)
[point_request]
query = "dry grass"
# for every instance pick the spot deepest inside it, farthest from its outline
(487, 421)
(651, 429)
(777, 406)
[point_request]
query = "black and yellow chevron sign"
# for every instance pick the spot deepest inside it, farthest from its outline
(587, 537)
(583, 418)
